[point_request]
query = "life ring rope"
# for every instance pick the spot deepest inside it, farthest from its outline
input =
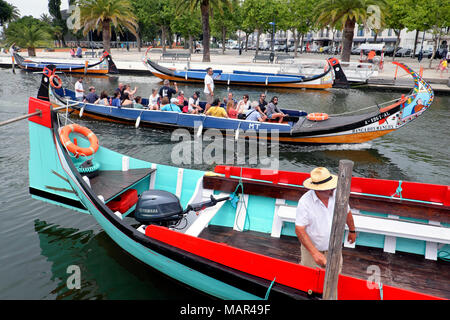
(72, 147)
(317, 116)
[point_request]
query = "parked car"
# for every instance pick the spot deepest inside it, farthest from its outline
(356, 51)
(389, 51)
(403, 52)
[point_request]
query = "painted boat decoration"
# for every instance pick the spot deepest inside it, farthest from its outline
(105, 66)
(159, 214)
(299, 128)
(324, 80)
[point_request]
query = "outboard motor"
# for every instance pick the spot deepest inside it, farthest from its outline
(163, 208)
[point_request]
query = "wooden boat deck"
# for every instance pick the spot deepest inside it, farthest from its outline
(402, 270)
(109, 183)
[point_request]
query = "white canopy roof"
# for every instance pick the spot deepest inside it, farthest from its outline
(371, 46)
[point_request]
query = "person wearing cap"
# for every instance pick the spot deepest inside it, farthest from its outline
(167, 91)
(172, 106)
(314, 218)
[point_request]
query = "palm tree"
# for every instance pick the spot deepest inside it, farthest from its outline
(205, 8)
(346, 14)
(101, 14)
(29, 33)
(8, 12)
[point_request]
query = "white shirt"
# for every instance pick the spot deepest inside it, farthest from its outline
(243, 107)
(78, 86)
(208, 80)
(312, 214)
(192, 103)
(153, 100)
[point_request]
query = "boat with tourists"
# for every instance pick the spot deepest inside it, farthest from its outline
(105, 66)
(332, 77)
(229, 233)
(298, 127)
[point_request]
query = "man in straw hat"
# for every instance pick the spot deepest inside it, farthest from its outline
(315, 216)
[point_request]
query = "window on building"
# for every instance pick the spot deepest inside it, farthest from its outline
(360, 32)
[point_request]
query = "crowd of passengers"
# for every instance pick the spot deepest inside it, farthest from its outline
(169, 98)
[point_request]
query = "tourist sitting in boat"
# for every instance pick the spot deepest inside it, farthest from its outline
(127, 89)
(116, 99)
(216, 110)
(91, 97)
(120, 88)
(166, 106)
(127, 100)
(194, 104)
(153, 100)
(231, 110)
(243, 105)
(103, 101)
(273, 112)
(229, 98)
(138, 103)
(181, 100)
(255, 114)
(262, 103)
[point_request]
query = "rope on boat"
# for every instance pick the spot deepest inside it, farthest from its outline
(444, 255)
(234, 198)
(268, 289)
(398, 191)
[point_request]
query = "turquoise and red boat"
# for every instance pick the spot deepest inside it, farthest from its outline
(229, 233)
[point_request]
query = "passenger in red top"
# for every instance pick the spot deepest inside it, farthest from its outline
(231, 110)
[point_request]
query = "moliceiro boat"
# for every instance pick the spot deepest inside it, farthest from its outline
(105, 66)
(229, 233)
(298, 127)
(332, 76)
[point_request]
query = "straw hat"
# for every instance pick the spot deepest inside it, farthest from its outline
(321, 179)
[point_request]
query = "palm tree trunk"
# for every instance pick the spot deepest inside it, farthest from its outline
(204, 8)
(347, 40)
(191, 47)
(31, 51)
(106, 35)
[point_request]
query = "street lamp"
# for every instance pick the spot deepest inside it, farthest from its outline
(273, 34)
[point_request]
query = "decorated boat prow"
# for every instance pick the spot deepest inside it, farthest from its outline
(176, 220)
(105, 66)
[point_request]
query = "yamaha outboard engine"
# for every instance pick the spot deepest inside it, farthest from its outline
(158, 207)
(163, 208)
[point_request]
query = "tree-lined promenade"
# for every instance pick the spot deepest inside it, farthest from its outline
(222, 19)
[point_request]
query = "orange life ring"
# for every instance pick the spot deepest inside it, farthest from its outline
(72, 147)
(52, 82)
(317, 116)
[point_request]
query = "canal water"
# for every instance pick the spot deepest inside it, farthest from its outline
(40, 241)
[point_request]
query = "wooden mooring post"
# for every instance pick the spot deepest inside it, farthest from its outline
(337, 230)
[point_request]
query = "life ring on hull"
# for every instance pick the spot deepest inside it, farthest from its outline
(317, 116)
(52, 81)
(72, 147)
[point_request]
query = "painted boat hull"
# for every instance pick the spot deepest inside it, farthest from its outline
(243, 78)
(345, 129)
(185, 258)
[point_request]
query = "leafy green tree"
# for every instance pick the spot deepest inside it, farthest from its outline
(397, 12)
(346, 14)
(188, 25)
(258, 14)
(432, 16)
(225, 22)
(28, 32)
(8, 12)
(100, 15)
